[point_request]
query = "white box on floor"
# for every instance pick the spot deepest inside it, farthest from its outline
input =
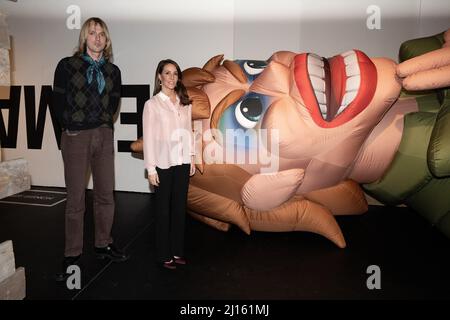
(14, 177)
(12, 280)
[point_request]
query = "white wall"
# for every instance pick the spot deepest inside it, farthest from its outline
(329, 27)
(190, 32)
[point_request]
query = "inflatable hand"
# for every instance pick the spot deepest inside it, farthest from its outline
(419, 174)
(428, 70)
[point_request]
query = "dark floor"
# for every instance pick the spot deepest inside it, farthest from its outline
(413, 258)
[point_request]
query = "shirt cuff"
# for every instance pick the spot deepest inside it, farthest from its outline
(151, 170)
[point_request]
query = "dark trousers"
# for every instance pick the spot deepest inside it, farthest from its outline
(92, 148)
(170, 213)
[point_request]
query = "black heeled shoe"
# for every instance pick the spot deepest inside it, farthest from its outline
(179, 260)
(169, 265)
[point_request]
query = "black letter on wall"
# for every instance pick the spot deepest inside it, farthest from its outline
(9, 139)
(142, 94)
(35, 130)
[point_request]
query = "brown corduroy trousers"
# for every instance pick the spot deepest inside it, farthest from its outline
(80, 150)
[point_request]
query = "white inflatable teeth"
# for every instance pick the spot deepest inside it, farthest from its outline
(350, 59)
(317, 83)
(323, 110)
(347, 53)
(316, 70)
(321, 97)
(352, 70)
(315, 59)
(348, 98)
(317, 75)
(341, 108)
(352, 83)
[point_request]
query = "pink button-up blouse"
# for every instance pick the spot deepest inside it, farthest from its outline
(168, 138)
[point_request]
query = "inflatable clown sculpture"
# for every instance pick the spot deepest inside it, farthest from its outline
(288, 143)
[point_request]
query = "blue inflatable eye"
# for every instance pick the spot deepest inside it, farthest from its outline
(254, 67)
(248, 112)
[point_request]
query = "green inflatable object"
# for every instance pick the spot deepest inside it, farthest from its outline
(419, 176)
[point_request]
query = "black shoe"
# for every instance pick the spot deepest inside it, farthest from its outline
(179, 260)
(112, 253)
(169, 265)
(67, 261)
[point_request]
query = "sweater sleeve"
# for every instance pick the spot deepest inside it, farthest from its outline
(116, 92)
(148, 122)
(59, 92)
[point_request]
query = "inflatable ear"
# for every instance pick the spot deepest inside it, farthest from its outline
(283, 57)
(274, 81)
(213, 63)
(193, 77)
(235, 70)
(201, 107)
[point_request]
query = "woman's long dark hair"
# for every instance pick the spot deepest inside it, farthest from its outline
(180, 89)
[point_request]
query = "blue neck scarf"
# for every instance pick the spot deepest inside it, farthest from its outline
(95, 66)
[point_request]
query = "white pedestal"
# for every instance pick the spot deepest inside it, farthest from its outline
(12, 280)
(14, 177)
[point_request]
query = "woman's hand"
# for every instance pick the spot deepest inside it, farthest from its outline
(153, 179)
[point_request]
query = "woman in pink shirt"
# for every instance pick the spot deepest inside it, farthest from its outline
(169, 159)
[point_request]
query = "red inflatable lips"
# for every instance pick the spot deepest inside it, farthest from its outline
(336, 89)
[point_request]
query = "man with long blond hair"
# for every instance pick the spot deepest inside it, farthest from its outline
(86, 95)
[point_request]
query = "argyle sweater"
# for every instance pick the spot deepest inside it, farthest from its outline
(77, 104)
